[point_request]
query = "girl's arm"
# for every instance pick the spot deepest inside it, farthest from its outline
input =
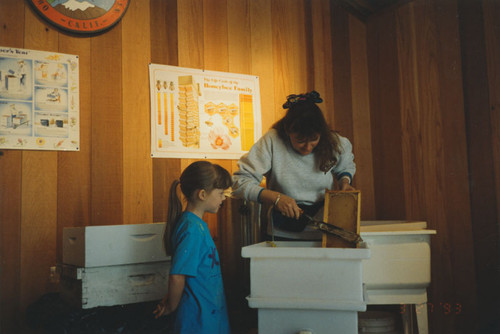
(171, 301)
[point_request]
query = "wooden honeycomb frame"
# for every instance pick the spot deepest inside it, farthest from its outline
(342, 208)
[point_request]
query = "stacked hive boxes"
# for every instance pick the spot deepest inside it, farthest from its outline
(299, 285)
(189, 113)
(399, 270)
(113, 265)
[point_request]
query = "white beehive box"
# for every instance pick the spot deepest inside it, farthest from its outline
(286, 321)
(399, 270)
(305, 271)
(300, 286)
(97, 246)
(114, 285)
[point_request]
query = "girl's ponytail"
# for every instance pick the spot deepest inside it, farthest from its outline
(174, 212)
(196, 176)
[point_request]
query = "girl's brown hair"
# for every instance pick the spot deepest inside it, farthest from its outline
(199, 175)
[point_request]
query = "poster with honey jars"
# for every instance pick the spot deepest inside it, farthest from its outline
(203, 114)
(39, 100)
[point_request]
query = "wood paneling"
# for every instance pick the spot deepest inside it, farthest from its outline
(137, 163)
(262, 58)
(107, 128)
(321, 37)
(432, 133)
(12, 25)
(385, 117)
(215, 52)
(455, 175)
(444, 251)
(163, 29)
(361, 118)
(39, 192)
(341, 118)
(10, 237)
(190, 34)
(73, 168)
(290, 45)
(38, 224)
(239, 37)
(480, 156)
(491, 10)
(412, 149)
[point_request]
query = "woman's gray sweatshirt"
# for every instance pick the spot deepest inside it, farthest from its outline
(287, 171)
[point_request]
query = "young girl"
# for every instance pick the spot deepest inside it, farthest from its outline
(195, 289)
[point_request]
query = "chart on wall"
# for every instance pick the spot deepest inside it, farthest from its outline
(203, 114)
(39, 100)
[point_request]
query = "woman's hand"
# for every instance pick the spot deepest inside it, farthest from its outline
(345, 185)
(288, 207)
(283, 203)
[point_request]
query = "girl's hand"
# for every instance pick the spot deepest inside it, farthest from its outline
(171, 301)
(161, 309)
(288, 207)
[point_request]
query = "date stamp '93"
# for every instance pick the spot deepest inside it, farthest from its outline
(446, 308)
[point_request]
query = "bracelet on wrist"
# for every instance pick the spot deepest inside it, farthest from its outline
(277, 199)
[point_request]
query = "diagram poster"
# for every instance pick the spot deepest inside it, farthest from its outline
(203, 114)
(39, 100)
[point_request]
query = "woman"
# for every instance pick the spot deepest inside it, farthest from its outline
(300, 157)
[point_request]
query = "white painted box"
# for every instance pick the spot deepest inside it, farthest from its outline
(399, 270)
(114, 285)
(300, 286)
(97, 246)
(322, 278)
(286, 321)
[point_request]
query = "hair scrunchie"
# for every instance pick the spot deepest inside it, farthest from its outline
(294, 99)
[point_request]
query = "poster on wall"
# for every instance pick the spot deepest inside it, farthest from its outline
(202, 114)
(39, 100)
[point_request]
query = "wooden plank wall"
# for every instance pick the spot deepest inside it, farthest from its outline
(491, 11)
(12, 25)
(137, 162)
(435, 166)
(393, 85)
(38, 190)
(479, 61)
(106, 170)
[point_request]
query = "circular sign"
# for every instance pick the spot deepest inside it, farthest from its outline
(81, 16)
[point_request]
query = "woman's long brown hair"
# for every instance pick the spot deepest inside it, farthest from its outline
(306, 119)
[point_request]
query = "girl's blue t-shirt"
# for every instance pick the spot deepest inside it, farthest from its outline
(202, 308)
